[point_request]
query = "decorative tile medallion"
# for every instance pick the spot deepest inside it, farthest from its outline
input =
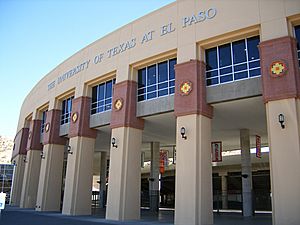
(278, 68)
(186, 88)
(47, 127)
(118, 104)
(75, 117)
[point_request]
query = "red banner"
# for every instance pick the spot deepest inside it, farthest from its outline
(258, 146)
(216, 151)
(164, 160)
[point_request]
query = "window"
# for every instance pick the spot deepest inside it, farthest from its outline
(297, 34)
(232, 61)
(156, 80)
(6, 178)
(44, 116)
(102, 97)
(66, 110)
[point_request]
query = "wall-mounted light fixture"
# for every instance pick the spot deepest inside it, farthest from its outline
(42, 155)
(14, 163)
(281, 120)
(25, 159)
(69, 150)
(182, 132)
(113, 143)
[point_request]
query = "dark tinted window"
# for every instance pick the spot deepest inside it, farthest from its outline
(224, 55)
(156, 80)
(252, 44)
(239, 51)
(211, 59)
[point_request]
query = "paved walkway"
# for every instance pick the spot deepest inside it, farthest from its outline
(17, 216)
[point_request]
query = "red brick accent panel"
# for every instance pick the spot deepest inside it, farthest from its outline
(81, 127)
(195, 102)
(287, 85)
(126, 116)
(20, 142)
(34, 136)
(52, 135)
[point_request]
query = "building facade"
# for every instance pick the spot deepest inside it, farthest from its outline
(191, 76)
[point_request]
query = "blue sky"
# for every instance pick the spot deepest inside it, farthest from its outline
(37, 35)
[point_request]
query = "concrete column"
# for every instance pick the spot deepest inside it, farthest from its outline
(193, 196)
(49, 188)
(32, 166)
(154, 177)
(123, 202)
(281, 93)
(19, 152)
(17, 180)
(103, 172)
(224, 190)
(79, 177)
(284, 160)
(193, 190)
(50, 183)
(246, 172)
(31, 179)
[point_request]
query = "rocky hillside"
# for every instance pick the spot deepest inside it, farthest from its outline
(6, 147)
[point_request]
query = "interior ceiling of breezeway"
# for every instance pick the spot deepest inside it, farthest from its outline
(229, 118)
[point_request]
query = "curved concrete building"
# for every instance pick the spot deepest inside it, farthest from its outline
(176, 88)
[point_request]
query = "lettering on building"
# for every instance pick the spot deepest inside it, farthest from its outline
(164, 30)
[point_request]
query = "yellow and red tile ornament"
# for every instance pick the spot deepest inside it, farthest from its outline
(118, 104)
(75, 117)
(186, 88)
(278, 68)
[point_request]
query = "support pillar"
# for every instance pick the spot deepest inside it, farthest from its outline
(246, 173)
(79, 175)
(50, 182)
(281, 92)
(193, 196)
(123, 200)
(103, 173)
(19, 152)
(154, 177)
(224, 190)
(32, 166)
(124, 184)
(31, 179)
(49, 191)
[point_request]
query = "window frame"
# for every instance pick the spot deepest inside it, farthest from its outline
(105, 106)
(298, 43)
(143, 91)
(66, 112)
(234, 72)
(44, 118)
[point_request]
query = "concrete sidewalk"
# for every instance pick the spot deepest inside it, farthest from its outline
(17, 216)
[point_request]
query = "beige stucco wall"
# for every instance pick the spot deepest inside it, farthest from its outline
(233, 18)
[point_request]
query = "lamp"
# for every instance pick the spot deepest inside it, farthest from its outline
(113, 143)
(24, 159)
(14, 163)
(281, 120)
(69, 150)
(182, 132)
(42, 155)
